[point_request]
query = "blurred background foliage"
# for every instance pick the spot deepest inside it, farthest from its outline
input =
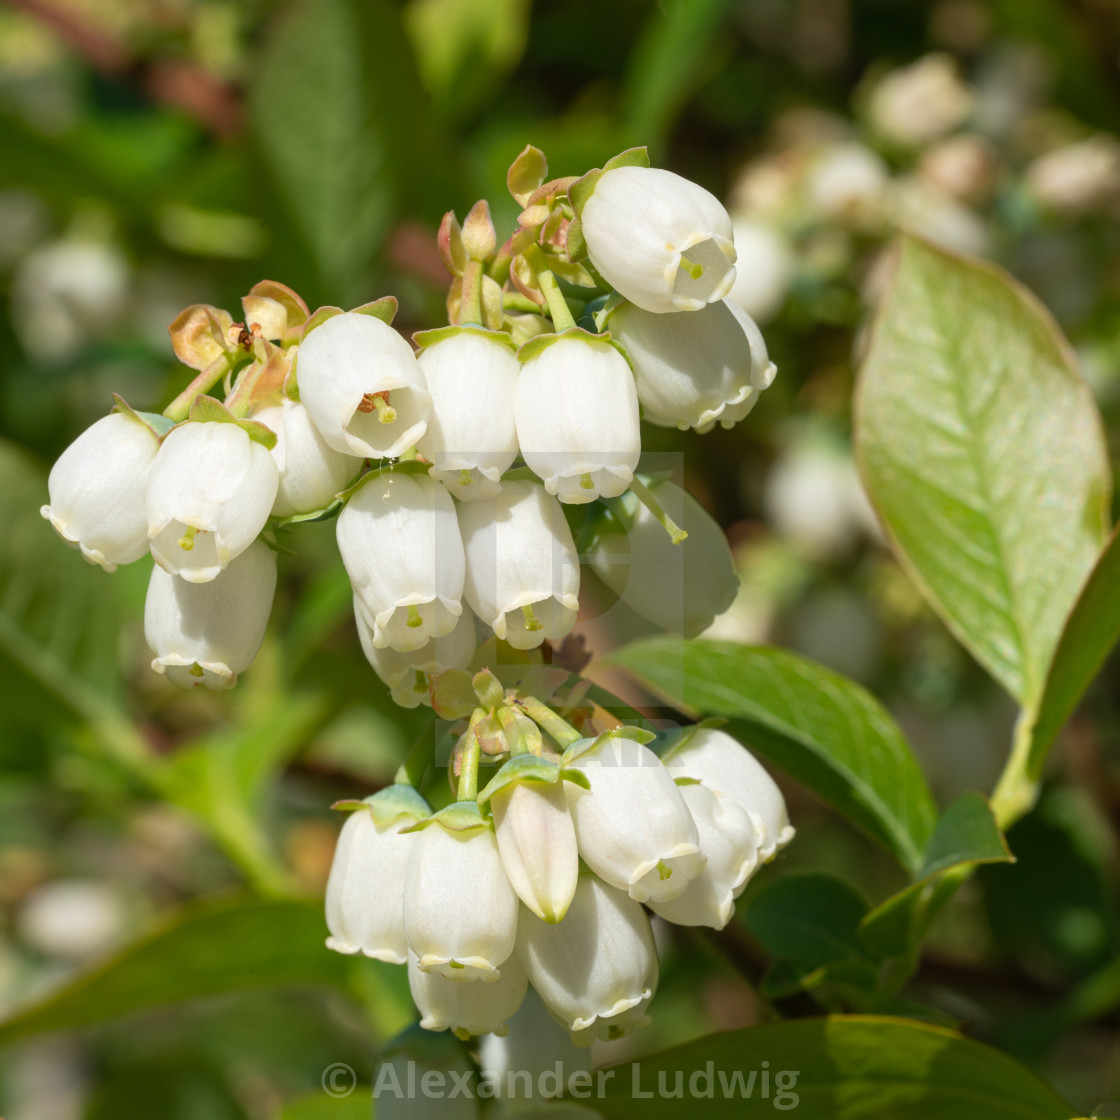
(156, 153)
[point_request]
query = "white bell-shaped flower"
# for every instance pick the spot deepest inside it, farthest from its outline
(680, 587)
(365, 890)
(208, 633)
(728, 841)
(96, 489)
(723, 764)
(695, 368)
(661, 241)
(522, 566)
(361, 384)
(400, 542)
(460, 913)
(312, 473)
(537, 843)
(209, 493)
(464, 1008)
(471, 439)
(597, 970)
(577, 418)
(633, 827)
(406, 674)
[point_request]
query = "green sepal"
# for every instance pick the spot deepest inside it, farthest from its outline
(385, 466)
(438, 334)
(318, 317)
(389, 805)
(581, 746)
(542, 342)
(384, 309)
(208, 410)
(487, 688)
(527, 172)
(680, 739)
(158, 424)
(459, 816)
(453, 694)
(575, 244)
(324, 514)
(583, 188)
(632, 157)
(521, 768)
(609, 306)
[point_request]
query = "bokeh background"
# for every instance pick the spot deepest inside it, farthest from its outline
(157, 153)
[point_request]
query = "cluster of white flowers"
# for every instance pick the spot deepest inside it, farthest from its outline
(444, 531)
(544, 876)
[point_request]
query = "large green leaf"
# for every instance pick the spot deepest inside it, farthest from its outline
(825, 730)
(982, 449)
(841, 1068)
(1091, 632)
(207, 948)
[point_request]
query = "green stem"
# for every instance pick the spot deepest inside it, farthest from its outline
(470, 302)
(558, 309)
(471, 754)
(676, 533)
(547, 720)
(411, 771)
(1016, 791)
(180, 407)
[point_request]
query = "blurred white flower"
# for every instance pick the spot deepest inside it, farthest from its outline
(208, 495)
(847, 182)
(663, 242)
(1079, 177)
(471, 438)
(311, 472)
(597, 970)
(208, 633)
(577, 419)
(964, 166)
(764, 270)
(362, 386)
(96, 490)
(920, 102)
(922, 208)
(464, 1008)
(522, 567)
(73, 919)
(400, 544)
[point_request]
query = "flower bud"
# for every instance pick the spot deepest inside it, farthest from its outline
(96, 491)
(522, 568)
(728, 841)
(362, 387)
(723, 764)
(460, 913)
(577, 418)
(681, 588)
(633, 827)
(695, 368)
(311, 472)
(208, 633)
(365, 891)
(660, 240)
(537, 843)
(464, 1008)
(470, 439)
(209, 494)
(597, 970)
(400, 544)
(406, 674)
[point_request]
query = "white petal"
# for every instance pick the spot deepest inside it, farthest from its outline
(463, 1007)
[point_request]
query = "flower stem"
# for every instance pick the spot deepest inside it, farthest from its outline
(470, 301)
(676, 533)
(547, 720)
(471, 753)
(558, 309)
(180, 407)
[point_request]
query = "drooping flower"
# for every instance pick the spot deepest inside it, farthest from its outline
(365, 890)
(723, 764)
(577, 418)
(661, 241)
(522, 567)
(694, 369)
(208, 633)
(460, 913)
(312, 473)
(471, 439)
(96, 489)
(361, 384)
(729, 842)
(209, 493)
(406, 674)
(633, 827)
(597, 970)
(464, 1008)
(400, 543)
(680, 587)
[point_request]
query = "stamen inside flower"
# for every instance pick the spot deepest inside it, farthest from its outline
(532, 623)
(586, 482)
(465, 478)
(379, 403)
(694, 270)
(663, 870)
(186, 543)
(414, 619)
(420, 684)
(196, 670)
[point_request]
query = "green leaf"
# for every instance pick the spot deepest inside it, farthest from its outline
(841, 1067)
(205, 949)
(966, 835)
(982, 448)
(1091, 632)
(826, 731)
